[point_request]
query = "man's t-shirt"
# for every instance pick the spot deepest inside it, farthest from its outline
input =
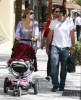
(61, 37)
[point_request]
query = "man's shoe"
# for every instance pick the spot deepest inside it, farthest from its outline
(48, 78)
(61, 88)
(55, 88)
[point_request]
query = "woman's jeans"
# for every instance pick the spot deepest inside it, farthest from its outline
(58, 55)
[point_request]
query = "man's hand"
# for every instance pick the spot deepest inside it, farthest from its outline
(72, 50)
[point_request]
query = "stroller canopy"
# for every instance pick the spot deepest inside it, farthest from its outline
(23, 51)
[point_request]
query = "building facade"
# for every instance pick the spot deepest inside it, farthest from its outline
(12, 13)
(7, 21)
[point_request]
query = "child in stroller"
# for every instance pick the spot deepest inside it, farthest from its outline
(21, 64)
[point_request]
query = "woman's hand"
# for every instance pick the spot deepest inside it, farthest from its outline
(33, 39)
(18, 38)
(42, 44)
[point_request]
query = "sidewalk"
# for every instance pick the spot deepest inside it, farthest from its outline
(72, 88)
(73, 80)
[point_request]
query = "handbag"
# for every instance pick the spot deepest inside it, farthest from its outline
(70, 65)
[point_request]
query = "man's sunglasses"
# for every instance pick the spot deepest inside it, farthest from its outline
(57, 11)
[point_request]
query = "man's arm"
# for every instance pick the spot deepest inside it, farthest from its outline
(49, 37)
(48, 40)
(72, 32)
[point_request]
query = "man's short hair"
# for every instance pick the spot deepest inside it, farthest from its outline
(63, 10)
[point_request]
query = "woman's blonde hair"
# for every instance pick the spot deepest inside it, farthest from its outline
(26, 11)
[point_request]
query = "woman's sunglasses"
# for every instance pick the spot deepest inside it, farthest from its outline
(31, 13)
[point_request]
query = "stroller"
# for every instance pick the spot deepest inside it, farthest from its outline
(21, 65)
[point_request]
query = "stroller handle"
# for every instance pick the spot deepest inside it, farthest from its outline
(27, 40)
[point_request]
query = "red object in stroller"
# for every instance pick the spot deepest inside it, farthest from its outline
(21, 65)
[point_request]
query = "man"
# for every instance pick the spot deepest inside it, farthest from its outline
(78, 25)
(69, 18)
(63, 41)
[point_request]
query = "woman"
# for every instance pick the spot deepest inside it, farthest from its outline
(46, 32)
(28, 28)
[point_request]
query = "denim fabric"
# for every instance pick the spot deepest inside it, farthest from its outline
(58, 55)
(78, 29)
(49, 63)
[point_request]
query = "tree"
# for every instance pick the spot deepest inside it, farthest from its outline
(78, 2)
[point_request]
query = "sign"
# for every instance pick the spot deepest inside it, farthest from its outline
(57, 2)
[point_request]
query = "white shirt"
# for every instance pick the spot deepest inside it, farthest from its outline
(78, 20)
(69, 19)
(61, 37)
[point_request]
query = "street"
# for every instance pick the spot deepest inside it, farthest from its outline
(44, 85)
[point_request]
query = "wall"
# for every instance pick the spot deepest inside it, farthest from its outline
(7, 20)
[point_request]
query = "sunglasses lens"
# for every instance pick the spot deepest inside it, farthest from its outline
(57, 11)
(31, 13)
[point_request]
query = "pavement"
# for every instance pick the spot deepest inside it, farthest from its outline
(72, 87)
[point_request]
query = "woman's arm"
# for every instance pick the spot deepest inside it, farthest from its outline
(45, 34)
(18, 30)
(36, 31)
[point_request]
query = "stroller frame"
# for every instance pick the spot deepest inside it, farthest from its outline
(26, 68)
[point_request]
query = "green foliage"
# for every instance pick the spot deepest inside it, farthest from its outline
(78, 53)
(78, 2)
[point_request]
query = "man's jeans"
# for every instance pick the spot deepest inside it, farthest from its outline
(78, 29)
(58, 55)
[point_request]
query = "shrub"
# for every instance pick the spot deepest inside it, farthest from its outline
(78, 53)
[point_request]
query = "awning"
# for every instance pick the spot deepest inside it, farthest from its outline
(73, 6)
(57, 2)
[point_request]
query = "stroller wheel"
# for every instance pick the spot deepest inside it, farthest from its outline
(19, 91)
(14, 91)
(6, 85)
(36, 86)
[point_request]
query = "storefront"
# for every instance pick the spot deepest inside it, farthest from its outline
(12, 14)
(39, 7)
